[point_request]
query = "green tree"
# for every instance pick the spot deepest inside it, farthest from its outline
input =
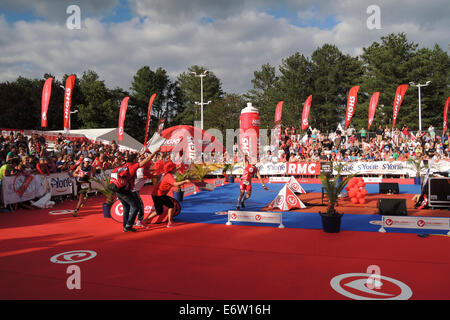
(190, 87)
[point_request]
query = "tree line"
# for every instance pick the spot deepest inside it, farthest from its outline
(328, 75)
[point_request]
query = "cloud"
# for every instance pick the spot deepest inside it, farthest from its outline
(235, 40)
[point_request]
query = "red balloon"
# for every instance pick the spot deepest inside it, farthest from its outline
(364, 192)
(351, 193)
(362, 200)
(354, 200)
(359, 195)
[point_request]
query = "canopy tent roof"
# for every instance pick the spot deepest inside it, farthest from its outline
(104, 135)
(183, 134)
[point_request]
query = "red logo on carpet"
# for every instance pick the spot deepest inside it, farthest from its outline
(355, 286)
(73, 256)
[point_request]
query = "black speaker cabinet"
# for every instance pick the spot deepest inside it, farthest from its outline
(439, 192)
(385, 188)
(392, 207)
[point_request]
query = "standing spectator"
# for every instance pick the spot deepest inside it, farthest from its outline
(363, 133)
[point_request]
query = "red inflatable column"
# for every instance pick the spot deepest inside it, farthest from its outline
(249, 130)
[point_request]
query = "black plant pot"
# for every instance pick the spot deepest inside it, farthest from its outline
(107, 210)
(230, 179)
(331, 223)
(178, 195)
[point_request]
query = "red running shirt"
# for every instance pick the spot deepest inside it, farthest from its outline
(248, 173)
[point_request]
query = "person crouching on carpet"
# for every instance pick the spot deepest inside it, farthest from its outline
(160, 191)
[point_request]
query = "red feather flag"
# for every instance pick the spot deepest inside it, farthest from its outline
(278, 111)
(150, 104)
(445, 114)
(123, 112)
(46, 93)
(305, 113)
(351, 105)
(70, 82)
(399, 94)
(373, 107)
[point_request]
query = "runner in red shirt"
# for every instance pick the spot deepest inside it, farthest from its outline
(246, 182)
(159, 194)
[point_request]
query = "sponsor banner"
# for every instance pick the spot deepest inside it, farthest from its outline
(150, 104)
(22, 188)
(60, 183)
(219, 182)
(279, 179)
(373, 107)
(358, 167)
(415, 223)
(255, 216)
(372, 180)
(303, 168)
(351, 105)
(189, 189)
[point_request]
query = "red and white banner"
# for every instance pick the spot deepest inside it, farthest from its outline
(150, 104)
(351, 105)
(415, 223)
(305, 113)
(255, 216)
(70, 82)
(373, 107)
(279, 111)
(445, 114)
(46, 93)
(399, 94)
(122, 114)
(303, 168)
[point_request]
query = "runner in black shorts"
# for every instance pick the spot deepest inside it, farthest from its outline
(83, 173)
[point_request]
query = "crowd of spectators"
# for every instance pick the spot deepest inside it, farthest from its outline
(20, 154)
(385, 144)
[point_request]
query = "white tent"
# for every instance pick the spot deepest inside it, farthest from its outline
(106, 136)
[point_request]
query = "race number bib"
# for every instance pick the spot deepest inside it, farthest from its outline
(85, 186)
(246, 182)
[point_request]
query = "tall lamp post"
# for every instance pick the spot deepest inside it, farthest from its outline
(420, 103)
(201, 75)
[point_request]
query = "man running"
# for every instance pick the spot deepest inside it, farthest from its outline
(83, 173)
(246, 182)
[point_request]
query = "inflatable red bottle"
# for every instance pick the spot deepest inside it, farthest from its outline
(249, 130)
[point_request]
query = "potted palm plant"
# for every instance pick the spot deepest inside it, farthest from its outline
(417, 166)
(102, 185)
(179, 194)
(331, 219)
(229, 168)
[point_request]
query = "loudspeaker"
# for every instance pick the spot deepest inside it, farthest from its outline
(388, 188)
(392, 207)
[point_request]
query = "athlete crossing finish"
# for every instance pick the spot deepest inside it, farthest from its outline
(228, 309)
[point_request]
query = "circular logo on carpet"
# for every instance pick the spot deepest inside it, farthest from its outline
(73, 256)
(56, 212)
(354, 286)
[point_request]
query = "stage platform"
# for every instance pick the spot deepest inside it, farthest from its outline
(201, 258)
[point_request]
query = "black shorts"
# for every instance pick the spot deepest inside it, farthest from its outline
(83, 185)
(160, 201)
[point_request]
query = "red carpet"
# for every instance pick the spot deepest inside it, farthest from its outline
(205, 261)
